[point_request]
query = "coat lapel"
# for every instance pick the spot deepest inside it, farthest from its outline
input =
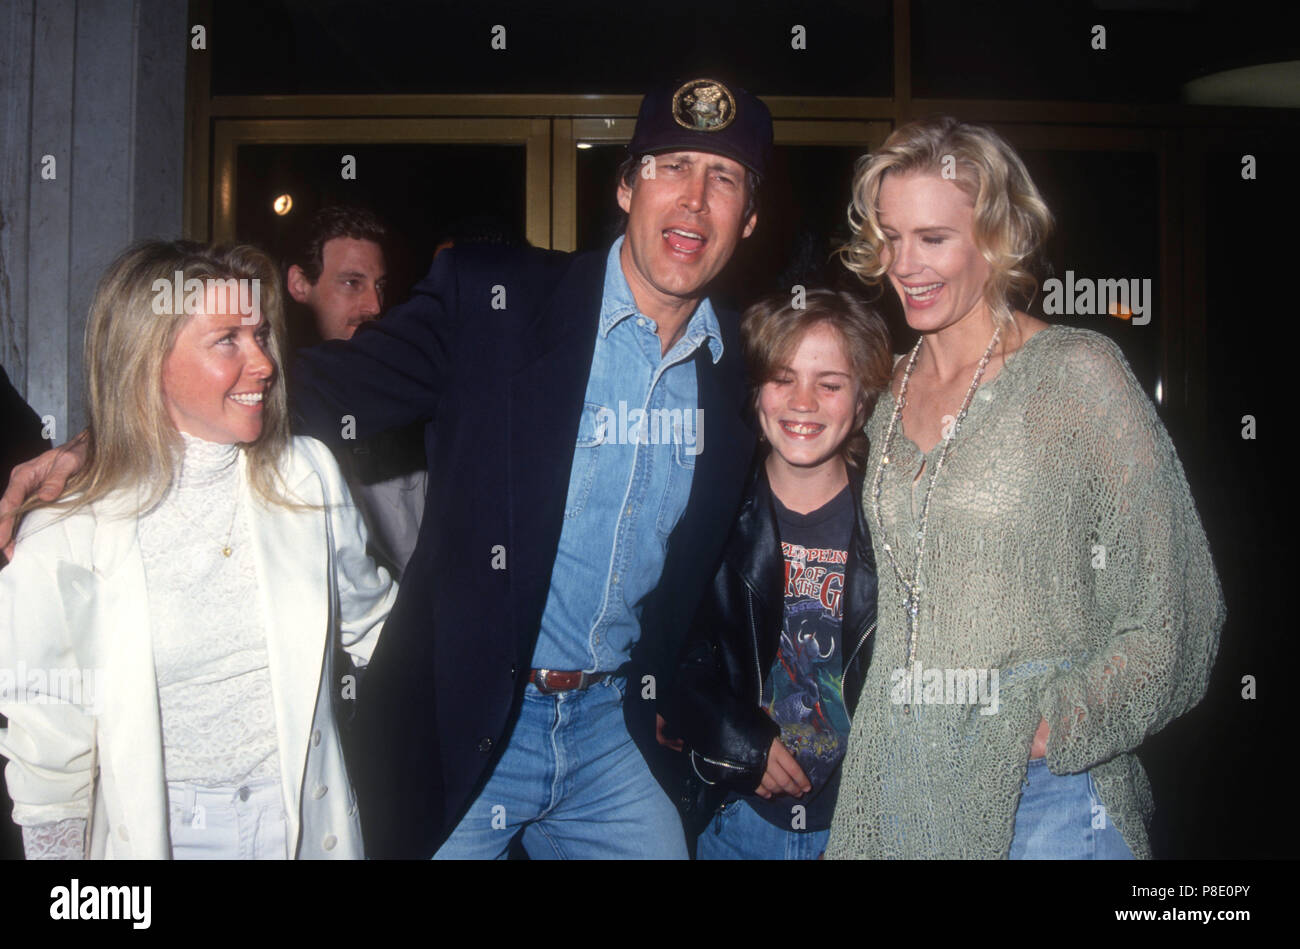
(727, 448)
(291, 551)
(755, 549)
(130, 730)
(546, 397)
(859, 598)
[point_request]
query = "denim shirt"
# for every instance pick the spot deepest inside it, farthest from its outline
(638, 437)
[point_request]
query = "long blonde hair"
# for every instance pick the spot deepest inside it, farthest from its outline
(1011, 219)
(132, 441)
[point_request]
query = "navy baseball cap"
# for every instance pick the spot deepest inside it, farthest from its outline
(705, 115)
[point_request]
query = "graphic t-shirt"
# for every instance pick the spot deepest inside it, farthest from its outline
(802, 692)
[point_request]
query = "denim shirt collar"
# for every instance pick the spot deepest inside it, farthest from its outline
(617, 304)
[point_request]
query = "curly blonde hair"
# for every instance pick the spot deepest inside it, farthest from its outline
(1011, 219)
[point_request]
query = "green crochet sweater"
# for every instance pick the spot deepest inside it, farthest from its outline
(1064, 551)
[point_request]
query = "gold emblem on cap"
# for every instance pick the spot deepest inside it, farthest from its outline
(704, 105)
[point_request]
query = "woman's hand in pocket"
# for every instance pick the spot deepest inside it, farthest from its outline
(1039, 747)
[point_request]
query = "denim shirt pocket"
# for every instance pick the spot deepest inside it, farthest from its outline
(593, 431)
(678, 489)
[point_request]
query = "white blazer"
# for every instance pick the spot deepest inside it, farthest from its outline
(74, 599)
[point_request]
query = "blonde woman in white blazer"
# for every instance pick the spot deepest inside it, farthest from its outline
(167, 626)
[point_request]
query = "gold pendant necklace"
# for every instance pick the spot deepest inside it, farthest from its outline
(226, 548)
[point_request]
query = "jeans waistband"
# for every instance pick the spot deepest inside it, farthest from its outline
(189, 795)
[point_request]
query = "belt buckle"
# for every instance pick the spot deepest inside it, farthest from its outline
(543, 683)
(539, 680)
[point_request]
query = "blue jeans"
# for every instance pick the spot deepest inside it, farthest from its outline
(574, 784)
(738, 833)
(1060, 817)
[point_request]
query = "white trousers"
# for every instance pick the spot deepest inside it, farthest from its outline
(243, 823)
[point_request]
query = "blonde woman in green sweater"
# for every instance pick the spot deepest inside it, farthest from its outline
(1047, 598)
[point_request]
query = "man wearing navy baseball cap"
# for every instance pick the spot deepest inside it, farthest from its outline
(621, 506)
(585, 432)
(708, 116)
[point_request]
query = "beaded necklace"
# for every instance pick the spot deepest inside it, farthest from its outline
(912, 588)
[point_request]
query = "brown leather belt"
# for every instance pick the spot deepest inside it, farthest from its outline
(549, 681)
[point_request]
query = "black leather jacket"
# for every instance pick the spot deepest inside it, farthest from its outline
(734, 640)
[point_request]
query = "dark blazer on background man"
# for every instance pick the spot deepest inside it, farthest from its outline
(20, 439)
(20, 428)
(493, 352)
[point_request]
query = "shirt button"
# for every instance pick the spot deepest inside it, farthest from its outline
(244, 793)
(319, 791)
(485, 744)
(640, 321)
(614, 579)
(628, 511)
(329, 842)
(315, 738)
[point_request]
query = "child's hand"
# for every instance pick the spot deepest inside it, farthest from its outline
(783, 774)
(661, 736)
